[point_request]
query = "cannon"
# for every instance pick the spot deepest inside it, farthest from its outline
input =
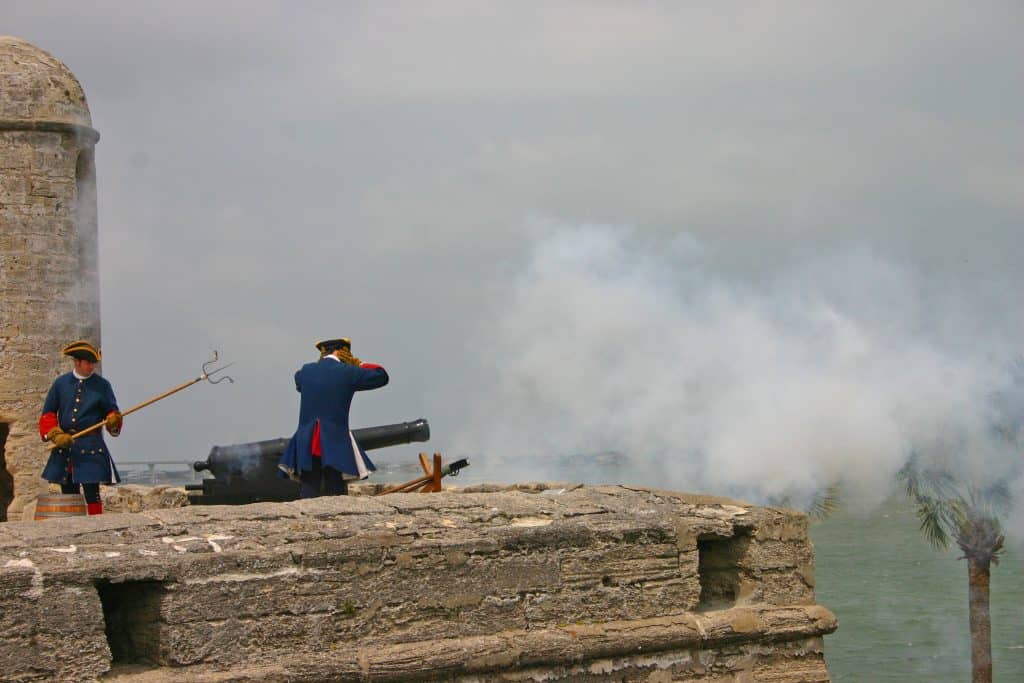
(248, 472)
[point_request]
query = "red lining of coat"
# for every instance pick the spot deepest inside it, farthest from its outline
(314, 446)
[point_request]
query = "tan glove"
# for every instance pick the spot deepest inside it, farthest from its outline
(114, 421)
(59, 438)
(346, 357)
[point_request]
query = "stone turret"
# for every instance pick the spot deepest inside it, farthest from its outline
(49, 284)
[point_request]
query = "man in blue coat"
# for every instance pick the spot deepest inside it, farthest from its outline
(322, 453)
(77, 400)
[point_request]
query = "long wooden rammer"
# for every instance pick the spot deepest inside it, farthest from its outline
(206, 374)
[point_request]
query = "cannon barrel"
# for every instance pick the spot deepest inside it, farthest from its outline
(234, 459)
(248, 472)
(258, 459)
(371, 438)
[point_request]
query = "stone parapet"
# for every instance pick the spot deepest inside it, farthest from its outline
(568, 583)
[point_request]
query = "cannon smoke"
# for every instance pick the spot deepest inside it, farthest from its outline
(831, 371)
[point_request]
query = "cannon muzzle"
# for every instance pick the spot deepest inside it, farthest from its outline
(371, 438)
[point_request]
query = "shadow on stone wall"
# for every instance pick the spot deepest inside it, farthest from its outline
(6, 480)
(719, 570)
(131, 612)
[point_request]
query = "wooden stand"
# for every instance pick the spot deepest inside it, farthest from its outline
(430, 482)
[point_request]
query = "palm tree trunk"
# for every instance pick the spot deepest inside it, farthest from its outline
(981, 622)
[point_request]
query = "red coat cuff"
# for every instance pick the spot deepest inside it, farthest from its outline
(371, 366)
(47, 421)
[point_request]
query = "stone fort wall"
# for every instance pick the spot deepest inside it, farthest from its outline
(563, 583)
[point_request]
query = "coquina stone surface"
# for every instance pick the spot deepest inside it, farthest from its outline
(490, 583)
(49, 285)
(135, 498)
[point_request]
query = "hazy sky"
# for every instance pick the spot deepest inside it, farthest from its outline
(504, 203)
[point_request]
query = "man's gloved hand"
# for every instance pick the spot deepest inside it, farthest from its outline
(114, 420)
(59, 438)
(345, 356)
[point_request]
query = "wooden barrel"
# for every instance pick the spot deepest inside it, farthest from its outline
(54, 505)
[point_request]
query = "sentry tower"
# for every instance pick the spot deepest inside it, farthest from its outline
(49, 283)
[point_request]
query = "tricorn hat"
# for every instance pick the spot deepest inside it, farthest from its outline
(82, 350)
(332, 345)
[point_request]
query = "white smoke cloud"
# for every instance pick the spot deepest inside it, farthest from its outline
(831, 371)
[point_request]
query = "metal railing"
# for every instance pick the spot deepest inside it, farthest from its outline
(154, 470)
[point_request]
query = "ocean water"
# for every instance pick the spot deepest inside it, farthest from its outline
(902, 605)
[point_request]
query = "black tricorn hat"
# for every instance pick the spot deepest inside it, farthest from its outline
(332, 345)
(82, 350)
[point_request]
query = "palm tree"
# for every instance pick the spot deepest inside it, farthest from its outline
(952, 510)
(821, 504)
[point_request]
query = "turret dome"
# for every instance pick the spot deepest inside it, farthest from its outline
(37, 90)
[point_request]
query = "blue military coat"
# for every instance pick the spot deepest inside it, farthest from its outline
(327, 388)
(81, 403)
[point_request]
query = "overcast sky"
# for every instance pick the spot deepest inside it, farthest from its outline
(412, 174)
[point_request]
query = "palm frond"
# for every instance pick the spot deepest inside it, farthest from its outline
(927, 483)
(910, 475)
(1008, 404)
(997, 549)
(956, 514)
(998, 498)
(933, 522)
(942, 483)
(824, 503)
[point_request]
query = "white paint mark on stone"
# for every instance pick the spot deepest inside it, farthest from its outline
(29, 564)
(37, 576)
(69, 549)
(111, 553)
(699, 623)
(229, 578)
(180, 548)
(213, 538)
(529, 521)
(184, 539)
(148, 552)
